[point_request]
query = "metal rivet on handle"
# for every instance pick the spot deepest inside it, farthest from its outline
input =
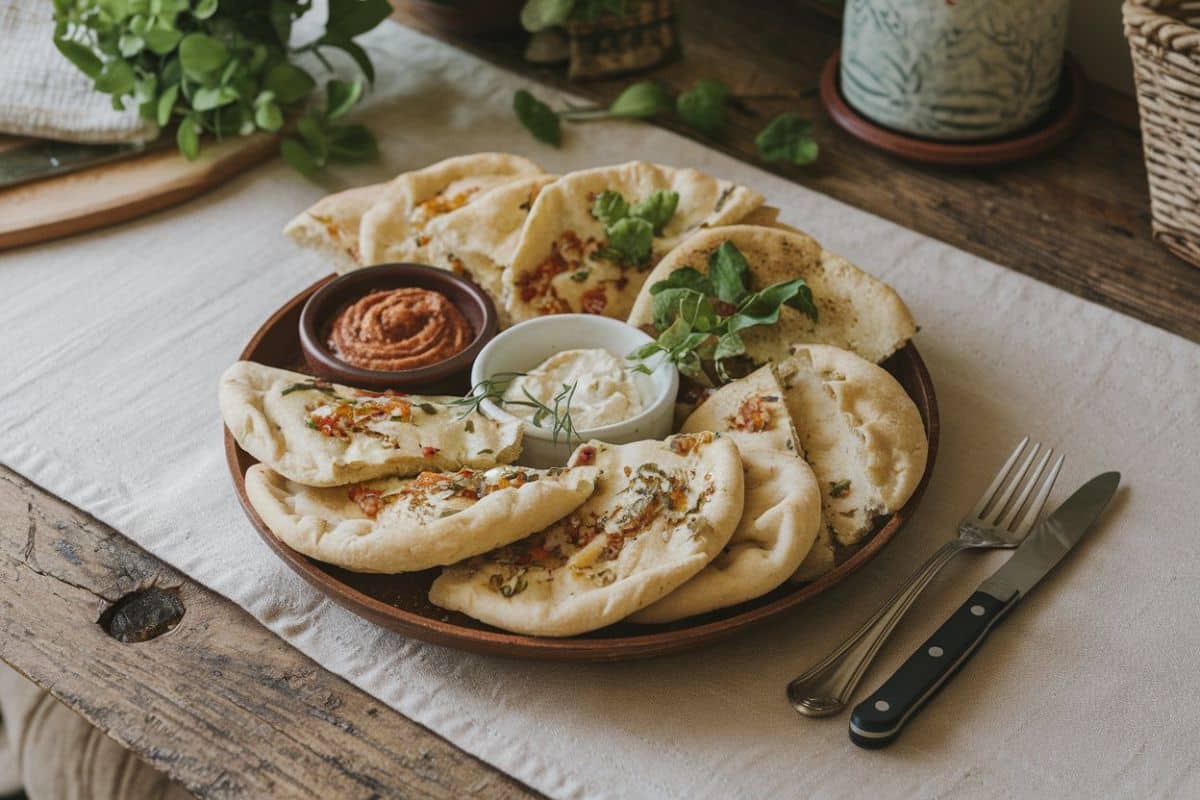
(977, 610)
(882, 705)
(936, 651)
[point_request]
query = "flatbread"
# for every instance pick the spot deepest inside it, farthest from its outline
(864, 438)
(556, 267)
(855, 310)
(661, 512)
(782, 513)
(323, 434)
(330, 226)
(396, 525)
(393, 228)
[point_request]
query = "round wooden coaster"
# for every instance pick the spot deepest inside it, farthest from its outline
(1063, 119)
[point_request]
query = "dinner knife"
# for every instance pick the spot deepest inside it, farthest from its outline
(23, 160)
(878, 720)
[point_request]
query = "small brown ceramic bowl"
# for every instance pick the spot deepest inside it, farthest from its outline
(450, 376)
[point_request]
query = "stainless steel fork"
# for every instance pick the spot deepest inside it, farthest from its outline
(996, 521)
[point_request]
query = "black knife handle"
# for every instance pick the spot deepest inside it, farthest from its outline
(877, 721)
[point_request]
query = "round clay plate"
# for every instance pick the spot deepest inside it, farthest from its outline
(400, 602)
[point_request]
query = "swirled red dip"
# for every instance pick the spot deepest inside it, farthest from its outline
(397, 329)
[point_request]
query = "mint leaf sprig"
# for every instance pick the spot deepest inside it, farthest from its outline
(631, 229)
(700, 317)
(639, 101)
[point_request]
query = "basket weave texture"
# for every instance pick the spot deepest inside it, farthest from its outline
(1164, 39)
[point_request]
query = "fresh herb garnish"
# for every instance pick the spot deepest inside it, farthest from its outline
(699, 317)
(639, 101)
(788, 137)
(318, 386)
(494, 389)
(428, 408)
(704, 105)
(630, 229)
(839, 488)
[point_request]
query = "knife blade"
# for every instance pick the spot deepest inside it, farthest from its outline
(32, 159)
(878, 720)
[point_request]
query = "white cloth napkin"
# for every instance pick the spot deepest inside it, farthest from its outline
(113, 342)
(42, 94)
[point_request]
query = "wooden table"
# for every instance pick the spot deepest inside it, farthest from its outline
(228, 709)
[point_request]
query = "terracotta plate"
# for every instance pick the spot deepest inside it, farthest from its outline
(399, 602)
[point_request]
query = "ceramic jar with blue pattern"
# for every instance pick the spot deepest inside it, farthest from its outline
(953, 69)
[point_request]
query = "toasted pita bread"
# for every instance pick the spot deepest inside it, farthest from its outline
(661, 512)
(404, 525)
(393, 228)
(558, 267)
(782, 513)
(330, 226)
(864, 438)
(323, 434)
(855, 311)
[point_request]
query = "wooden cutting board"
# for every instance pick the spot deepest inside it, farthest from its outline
(111, 193)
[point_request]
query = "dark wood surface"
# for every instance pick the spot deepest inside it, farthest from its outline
(1077, 218)
(228, 709)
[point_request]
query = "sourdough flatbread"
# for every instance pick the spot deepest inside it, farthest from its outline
(661, 511)
(782, 512)
(855, 310)
(393, 228)
(330, 226)
(396, 525)
(558, 267)
(864, 438)
(323, 434)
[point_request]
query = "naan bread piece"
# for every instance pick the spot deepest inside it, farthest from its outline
(557, 267)
(479, 239)
(394, 227)
(326, 434)
(396, 525)
(330, 226)
(782, 513)
(864, 438)
(661, 511)
(855, 310)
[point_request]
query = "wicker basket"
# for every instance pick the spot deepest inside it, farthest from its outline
(1164, 38)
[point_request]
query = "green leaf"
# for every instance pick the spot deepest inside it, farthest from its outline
(200, 55)
(675, 334)
(352, 143)
(280, 15)
(609, 208)
(268, 117)
(657, 209)
(295, 154)
(207, 99)
(690, 365)
(703, 105)
(645, 351)
(166, 104)
(314, 138)
(729, 273)
(762, 308)
(802, 301)
(729, 345)
(349, 18)
(537, 118)
(116, 78)
(81, 56)
(162, 40)
(204, 9)
(188, 136)
(353, 50)
(538, 15)
(788, 137)
(289, 83)
(685, 278)
(130, 45)
(631, 240)
(340, 97)
(667, 304)
(697, 310)
(640, 100)
(145, 89)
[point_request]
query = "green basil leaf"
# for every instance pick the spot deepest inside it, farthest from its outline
(657, 209)
(130, 45)
(788, 137)
(538, 15)
(204, 9)
(295, 154)
(187, 137)
(116, 78)
(690, 342)
(675, 334)
(200, 55)
(632, 239)
(352, 143)
(609, 208)
(802, 301)
(697, 310)
(207, 99)
(166, 104)
(762, 308)
(729, 273)
(268, 117)
(349, 18)
(729, 345)
(81, 56)
(289, 83)
(162, 40)
(645, 351)
(703, 105)
(641, 100)
(685, 278)
(341, 96)
(666, 306)
(537, 118)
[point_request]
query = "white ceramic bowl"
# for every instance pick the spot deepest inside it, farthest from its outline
(525, 346)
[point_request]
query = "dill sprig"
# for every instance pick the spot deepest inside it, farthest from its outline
(494, 389)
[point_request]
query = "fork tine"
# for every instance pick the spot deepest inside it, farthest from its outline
(1015, 509)
(977, 512)
(1039, 501)
(1002, 502)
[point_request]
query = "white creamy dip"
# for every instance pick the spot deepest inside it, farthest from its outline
(605, 390)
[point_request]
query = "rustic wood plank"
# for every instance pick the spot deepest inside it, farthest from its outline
(219, 703)
(1077, 218)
